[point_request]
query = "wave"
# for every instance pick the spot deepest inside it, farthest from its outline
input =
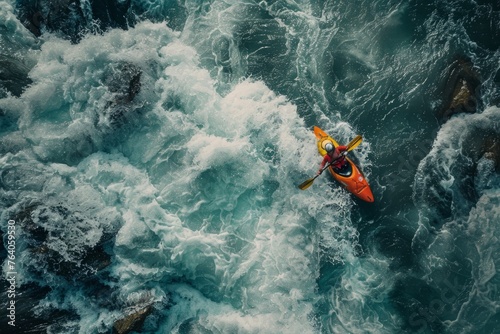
(190, 196)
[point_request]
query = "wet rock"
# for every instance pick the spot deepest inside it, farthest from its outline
(491, 151)
(461, 90)
(64, 17)
(34, 21)
(29, 317)
(13, 75)
(124, 82)
(71, 18)
(96, 259)
(93, 261)
(221, 48)
(31, 15)
(491, 156)
(76, 262)
(82, 272)
(36, 233)
(495, 98)
(133, 321)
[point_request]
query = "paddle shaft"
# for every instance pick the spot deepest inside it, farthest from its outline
(306, 184)
(343, 154)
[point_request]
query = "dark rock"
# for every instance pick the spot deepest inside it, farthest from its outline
(33, 22)
(31, 15)
(30, 318)
(461, 90)
(67, 18)
(64, 17)
(36, 233)
(71, 19)
(96, 259)
(80, 269)
(13, 75)
(221, 50)
(124, 81)
(491, 149)
(133, 321)
(85, 261)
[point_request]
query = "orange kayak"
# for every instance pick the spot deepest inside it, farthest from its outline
(349, 176)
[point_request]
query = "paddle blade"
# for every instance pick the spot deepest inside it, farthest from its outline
(306, 184)
(354, 143)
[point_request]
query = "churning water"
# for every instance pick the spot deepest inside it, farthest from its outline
(150, 153)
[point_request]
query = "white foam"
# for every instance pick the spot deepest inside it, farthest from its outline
(358, 302)
(482, 233)
(453, 152)
(17, 33)
(204, 185)
(457, 154)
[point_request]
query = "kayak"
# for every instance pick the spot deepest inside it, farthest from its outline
(349, 176)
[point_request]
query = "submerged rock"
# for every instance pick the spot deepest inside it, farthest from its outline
(93, 261)
(493, 157)
(67, 253)
(13, 76)
(133, 321)
(73, 18)
(33, 20)
(64, 17)
(221, 48)
(32, 318)
(491, 151)
(461, 90)
(77, 260)
(124, 82)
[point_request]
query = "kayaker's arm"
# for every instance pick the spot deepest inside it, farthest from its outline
(342, 148)
(326, 159)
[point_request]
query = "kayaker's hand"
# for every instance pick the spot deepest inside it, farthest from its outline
(319, 172)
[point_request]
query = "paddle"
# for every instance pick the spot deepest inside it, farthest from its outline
(352, 145)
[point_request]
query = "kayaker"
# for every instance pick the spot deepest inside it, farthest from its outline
(334, 154)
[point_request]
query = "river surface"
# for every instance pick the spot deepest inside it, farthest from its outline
(150, 153)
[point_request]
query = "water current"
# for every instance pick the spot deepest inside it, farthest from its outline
(150, 153)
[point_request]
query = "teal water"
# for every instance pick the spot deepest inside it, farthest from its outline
(169, 137)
